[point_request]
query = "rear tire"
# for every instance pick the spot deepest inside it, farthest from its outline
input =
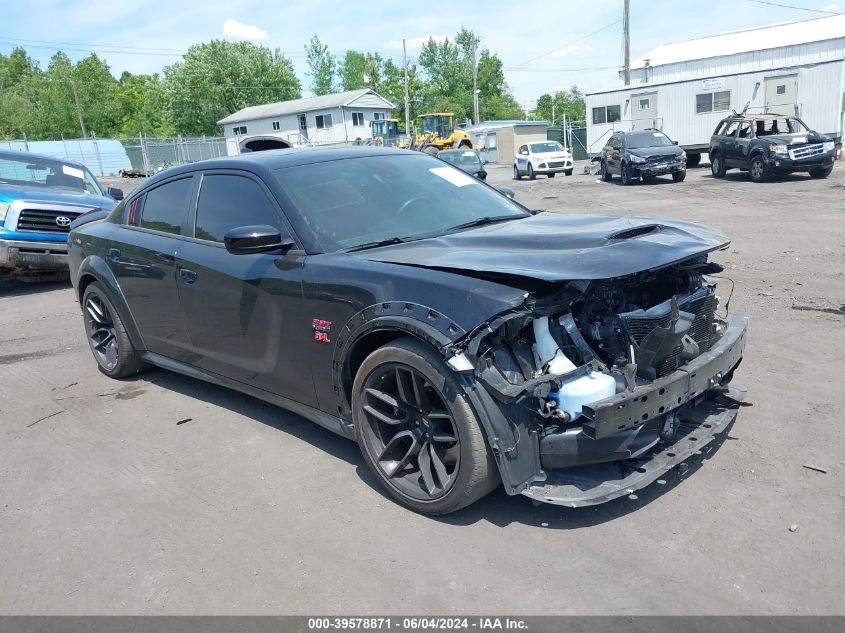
(679, 176)
(693, 160)
(405, 390)
(568, 172)
(531, 174)
(115, 355)
(821, 172)
(757, 169)
(516, 174)
(550, 175)
(717, 166)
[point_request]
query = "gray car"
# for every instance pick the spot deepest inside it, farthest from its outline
(642, 155)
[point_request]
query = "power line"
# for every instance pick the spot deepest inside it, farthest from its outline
(560, 48)
(559, 70)
(789, 6)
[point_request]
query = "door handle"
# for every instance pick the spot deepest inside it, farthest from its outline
(187, 276)
(114, 254)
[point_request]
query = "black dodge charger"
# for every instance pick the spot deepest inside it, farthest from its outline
(462, 340)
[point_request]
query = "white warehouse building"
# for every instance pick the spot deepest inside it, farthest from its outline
(328, 119)
(686, 88)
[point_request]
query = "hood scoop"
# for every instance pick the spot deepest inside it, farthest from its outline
(637, 231)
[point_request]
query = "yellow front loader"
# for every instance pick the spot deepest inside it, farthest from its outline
(437, 131)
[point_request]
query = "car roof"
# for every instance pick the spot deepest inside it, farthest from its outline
(456, 151)
(11, 153)
(757, 117)
(648, 132)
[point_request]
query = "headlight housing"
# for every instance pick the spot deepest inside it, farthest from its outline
(828, 146)
(637, 159)
(4, 208)
(774, 148)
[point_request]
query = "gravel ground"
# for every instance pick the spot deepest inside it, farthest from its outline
(163, 494)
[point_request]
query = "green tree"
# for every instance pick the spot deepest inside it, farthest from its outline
(99, 96)
(321, 66)
(218, 78)
(140, 109)
(361, 70)
(20, 87)
(552, 107)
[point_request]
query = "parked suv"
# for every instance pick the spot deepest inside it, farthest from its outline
(769, 144)
(39, 198)
(544, 157)
(642, 155)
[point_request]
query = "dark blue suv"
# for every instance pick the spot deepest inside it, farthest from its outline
(39, 198)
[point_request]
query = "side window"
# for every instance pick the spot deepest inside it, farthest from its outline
(745, 130)
(165, 207)
(523, 149)
(133, 210)
(227, 202)
(731, 128)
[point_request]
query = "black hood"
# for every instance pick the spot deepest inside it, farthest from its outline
(557, 247)
(663, 150)
(793, 139)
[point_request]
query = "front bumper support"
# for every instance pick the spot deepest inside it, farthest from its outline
(701, 430)
(33, 255)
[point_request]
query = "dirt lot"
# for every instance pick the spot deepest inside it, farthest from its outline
(167, 495)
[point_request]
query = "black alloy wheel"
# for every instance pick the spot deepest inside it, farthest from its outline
(107, 337)
(417, 431)
(410, 432)
(101, 332)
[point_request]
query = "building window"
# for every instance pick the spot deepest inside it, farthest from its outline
(781, 90)
(358, 119)
(378, 116)
(324, 121)
(239, 130)
(645, 104)
(607, 114)
(303, 124)
(276, 126)
(713, 101)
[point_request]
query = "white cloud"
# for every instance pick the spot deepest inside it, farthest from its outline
(234, 30)
(571, 49)
(416, 42)
(832, 8)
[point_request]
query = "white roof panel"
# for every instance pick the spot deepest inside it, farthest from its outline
(760, 38)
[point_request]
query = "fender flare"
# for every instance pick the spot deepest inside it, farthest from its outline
(515, 447)
(96, 268)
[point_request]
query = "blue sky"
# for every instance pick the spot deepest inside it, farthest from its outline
(144, 36)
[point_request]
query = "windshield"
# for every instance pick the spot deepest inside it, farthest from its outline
(550, 146)
(652, 139)
(780, 125)
(345, 203)
(439, 124)
(461, 158)
(52, 174)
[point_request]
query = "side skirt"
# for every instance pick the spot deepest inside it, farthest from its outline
(330, 422)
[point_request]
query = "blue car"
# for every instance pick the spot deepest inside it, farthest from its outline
(39, 198)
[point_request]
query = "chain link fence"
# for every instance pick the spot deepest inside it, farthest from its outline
(149, 155)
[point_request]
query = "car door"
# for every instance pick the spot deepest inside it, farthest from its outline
(742, 143)
(616, 150)
(240, 309)
(522, 158)
(144, 263)
(729, 147)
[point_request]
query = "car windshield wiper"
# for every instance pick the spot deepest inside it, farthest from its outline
(487, 219)
(385, 242)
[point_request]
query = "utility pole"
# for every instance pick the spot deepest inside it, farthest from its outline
(78, 109)
(407, 100)
(474, 82)
(626, 40)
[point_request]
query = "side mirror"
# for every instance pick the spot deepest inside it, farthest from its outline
(507, 191)
(115, 193)
(245, 240)
(674, 142)
(482, 175)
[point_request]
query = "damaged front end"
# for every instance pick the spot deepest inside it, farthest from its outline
(631, 370)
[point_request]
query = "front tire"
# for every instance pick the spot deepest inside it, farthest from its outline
(679, 176)
(605, 173)
(531, 174)
(626, 175)
(115, 355)
(516, 174)
(757, 170)
(550, 175)
(717, 166)
(417, 431)
(431, 150)
(568, 172)
(821, 172)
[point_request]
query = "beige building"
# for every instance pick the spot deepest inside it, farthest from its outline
(497, 141)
